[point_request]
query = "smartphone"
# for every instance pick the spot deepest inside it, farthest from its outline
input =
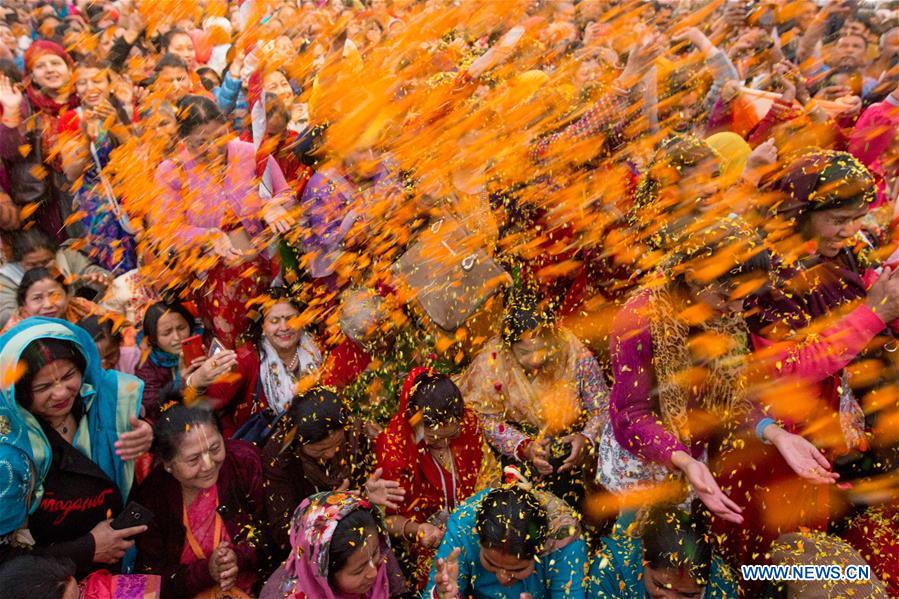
(216, 347)
(192, 348)
(134, 514)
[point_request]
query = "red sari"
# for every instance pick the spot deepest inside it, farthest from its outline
(430, 488)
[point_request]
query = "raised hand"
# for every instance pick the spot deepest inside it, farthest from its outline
(446, 578)
(804, 459)
(135, 442)
(385, 493)
(706, 488)
(10, 97)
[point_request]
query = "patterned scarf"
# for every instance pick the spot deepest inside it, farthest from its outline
(717, 383)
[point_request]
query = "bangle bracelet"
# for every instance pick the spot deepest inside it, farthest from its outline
(187, 383)
(403, 531)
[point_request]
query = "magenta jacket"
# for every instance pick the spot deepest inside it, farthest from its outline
(634, 409)
(873, 134)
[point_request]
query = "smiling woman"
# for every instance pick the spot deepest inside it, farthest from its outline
(212, 541)
(333, 561)
(79, 424)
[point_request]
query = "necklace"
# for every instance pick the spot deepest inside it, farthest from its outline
(293, 363)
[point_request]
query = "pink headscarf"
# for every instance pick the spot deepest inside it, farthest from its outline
(311, 531)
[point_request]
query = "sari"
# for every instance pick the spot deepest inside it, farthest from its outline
(432, 492)
(204, 530)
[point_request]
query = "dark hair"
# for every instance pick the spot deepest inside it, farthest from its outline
(170, 61)
(316, 414)
(196, 111)
(174, 420)
(275, 106)
(673, 538)
(38, 354)
(348, 537)
(36, 275)
(10, 69)
(156, 312)
(30, 576)
(523, 315)
(25, 242)
(101, 328)
(824, 180)
(205, 74)
(263, 303)
(438, 398)
(512, 520)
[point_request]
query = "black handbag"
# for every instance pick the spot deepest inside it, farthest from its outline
(259, 427)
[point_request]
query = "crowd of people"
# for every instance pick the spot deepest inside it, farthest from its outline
(525, 299)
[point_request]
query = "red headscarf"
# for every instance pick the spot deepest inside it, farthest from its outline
(40, 101)
(410, 463)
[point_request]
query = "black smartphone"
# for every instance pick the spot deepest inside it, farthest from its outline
(134, 514)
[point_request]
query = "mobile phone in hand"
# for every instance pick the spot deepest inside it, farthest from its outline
(134, 514)
(192, 348)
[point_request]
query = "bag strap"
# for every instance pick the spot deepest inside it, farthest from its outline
(192, 540)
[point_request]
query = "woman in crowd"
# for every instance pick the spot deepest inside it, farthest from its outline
(33, 249)
(815, 318)
(29, 576)
(165, 326)
(269, 367)
(45, 293)
(38, 176)
(89, 134)
(507, 542)
(211, 191)
(340, 549)
(205, 493)
(318, 447)
(433, 448)
(107, 334)
(671, 556)
(79, 426)
(539, 390)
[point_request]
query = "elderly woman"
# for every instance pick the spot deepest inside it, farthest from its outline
(206, 494)
(77, 423)
(540, 395)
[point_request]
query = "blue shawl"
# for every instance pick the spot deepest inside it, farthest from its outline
(109, 397)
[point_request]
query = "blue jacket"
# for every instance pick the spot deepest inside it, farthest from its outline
(618, 572)
(557, 575)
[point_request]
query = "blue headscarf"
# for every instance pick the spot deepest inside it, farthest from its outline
(109, 397)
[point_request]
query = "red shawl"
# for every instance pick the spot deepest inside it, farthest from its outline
(411, 464)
